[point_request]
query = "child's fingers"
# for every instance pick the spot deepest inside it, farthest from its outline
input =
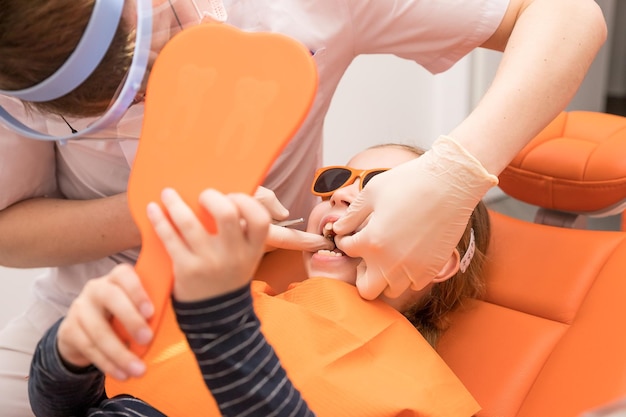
(225, 214)
(114, 356)
(71, 338)
(185, 220)
(125, 276)
(103, 299)
(86, 332)
(113, 300)
(256, 217)
(174, 245)
(107, 352)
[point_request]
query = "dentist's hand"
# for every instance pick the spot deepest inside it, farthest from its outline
(280, 237)
(419, 211)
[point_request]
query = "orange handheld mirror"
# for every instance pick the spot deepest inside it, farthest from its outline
(220, 106)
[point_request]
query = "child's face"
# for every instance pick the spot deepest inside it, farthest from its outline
(334, 264)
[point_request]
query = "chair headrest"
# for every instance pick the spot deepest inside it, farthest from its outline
(576, 164)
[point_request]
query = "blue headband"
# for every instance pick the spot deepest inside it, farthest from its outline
(90, 50)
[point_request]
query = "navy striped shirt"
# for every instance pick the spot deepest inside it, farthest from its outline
(238, 365)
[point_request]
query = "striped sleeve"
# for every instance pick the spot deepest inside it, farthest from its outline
(238, 365)
(57, 390)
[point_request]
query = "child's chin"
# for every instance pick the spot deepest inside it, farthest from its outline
(347, 279)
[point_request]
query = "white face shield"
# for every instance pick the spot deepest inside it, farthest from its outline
(94, 44)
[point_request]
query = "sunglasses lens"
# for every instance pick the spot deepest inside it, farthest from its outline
(369, 176)
(331, 180)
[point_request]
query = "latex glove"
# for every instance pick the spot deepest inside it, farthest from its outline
(417, 214)
(285, 237)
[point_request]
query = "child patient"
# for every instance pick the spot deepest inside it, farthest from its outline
(461, 277)
(213, 302)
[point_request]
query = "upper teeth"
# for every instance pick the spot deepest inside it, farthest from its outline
(329, 233)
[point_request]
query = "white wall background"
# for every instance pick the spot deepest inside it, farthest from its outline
(384, 99)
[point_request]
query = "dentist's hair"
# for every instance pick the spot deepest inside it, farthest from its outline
(431, 314)
(37, 37)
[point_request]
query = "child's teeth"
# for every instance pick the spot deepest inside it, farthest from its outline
(328, 231)
(329, 253)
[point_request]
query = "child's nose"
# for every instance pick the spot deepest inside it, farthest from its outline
(346, 194)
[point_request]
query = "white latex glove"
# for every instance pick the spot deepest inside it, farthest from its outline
(284, 237)
(417, 214)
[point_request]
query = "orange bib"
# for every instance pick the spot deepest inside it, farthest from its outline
(347, 356)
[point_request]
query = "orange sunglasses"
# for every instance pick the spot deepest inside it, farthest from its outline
(327, 180)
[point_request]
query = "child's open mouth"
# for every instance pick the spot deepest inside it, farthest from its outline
(328, 233)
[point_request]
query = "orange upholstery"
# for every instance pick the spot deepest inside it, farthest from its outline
(576, 164)
(548, 340)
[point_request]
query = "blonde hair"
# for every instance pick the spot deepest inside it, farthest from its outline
(431, 314)
(36, 38)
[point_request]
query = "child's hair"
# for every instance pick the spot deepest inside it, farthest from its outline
(430, 315)
(36, 38)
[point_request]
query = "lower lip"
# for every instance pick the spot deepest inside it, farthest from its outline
(317, 257)
(342, 268)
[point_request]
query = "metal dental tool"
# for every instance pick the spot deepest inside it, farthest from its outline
(291, 222)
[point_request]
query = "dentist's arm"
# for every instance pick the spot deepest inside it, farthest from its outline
(548, 47)
(420, 209)
(44, 232)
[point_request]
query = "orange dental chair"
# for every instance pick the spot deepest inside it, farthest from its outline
(548, 339)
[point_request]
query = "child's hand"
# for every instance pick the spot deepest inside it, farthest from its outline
(86, 336)
(207, 265)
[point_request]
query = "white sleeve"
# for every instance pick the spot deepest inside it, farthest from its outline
(27, 166)
(434, 33)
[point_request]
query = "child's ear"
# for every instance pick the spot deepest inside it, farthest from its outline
(450, 268)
